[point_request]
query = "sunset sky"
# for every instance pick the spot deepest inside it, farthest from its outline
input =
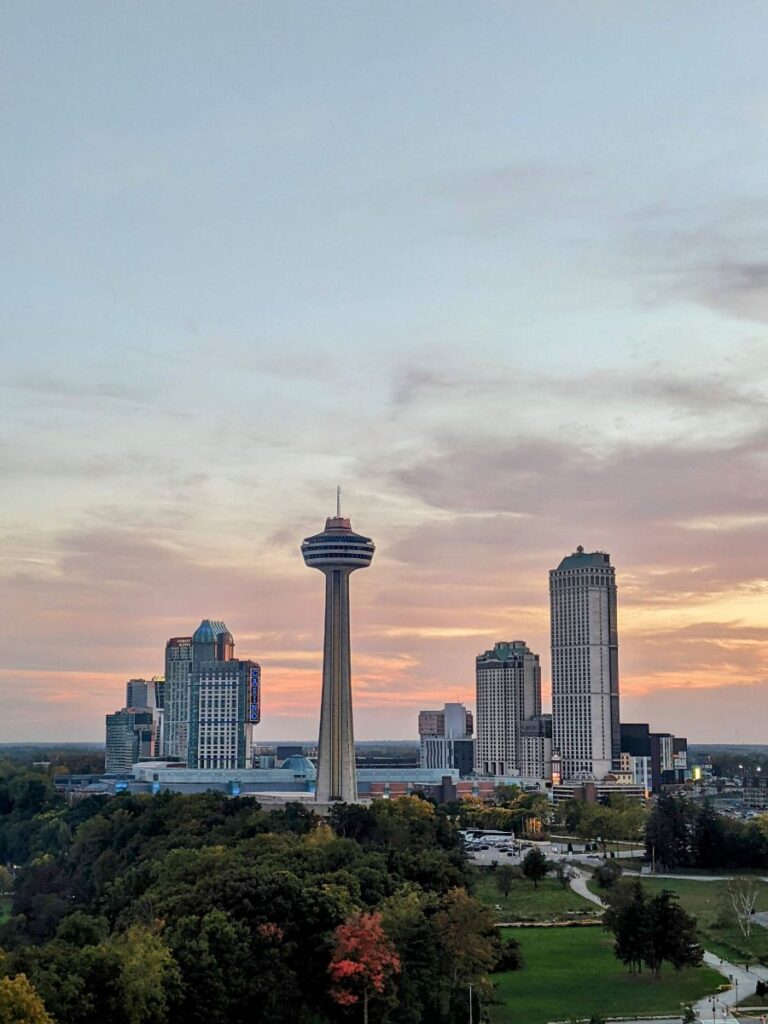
(500, 269)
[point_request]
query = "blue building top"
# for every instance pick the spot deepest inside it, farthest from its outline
(209, 631)
(299, 765)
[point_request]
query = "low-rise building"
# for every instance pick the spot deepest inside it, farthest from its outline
(756, 792)
(446, 739)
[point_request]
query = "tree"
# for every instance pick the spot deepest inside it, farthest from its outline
(148, 973)
(6, 881)
(362, 962)
(651, 931)
(470, 942)
(671, 934)
(668, 832)
(510, 956)
(607, 874)
(505, 875)
(563, 872)
(20, 1004)
(743, 893)
(709, 842)
(689, 1016)
(535, 866)
(627, 918)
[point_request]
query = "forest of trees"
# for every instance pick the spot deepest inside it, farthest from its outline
(683, 833)
(204, 909)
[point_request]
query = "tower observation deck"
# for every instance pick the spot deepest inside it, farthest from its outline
(337, 552)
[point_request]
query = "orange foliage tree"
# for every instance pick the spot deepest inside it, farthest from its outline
(363, 960)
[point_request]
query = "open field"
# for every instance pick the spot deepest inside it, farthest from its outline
(705, 900)
(572, 972)
(524, 903)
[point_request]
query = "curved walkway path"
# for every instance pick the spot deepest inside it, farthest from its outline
(743, 982)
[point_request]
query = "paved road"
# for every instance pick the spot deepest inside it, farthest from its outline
(579, 886)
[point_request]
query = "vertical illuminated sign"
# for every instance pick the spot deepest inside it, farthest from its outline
(254, 696)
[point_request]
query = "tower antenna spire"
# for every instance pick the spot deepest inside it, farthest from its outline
(338, 501)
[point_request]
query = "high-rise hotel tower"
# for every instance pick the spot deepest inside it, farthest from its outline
(508, 692)
(337, 552)
(585, 665)
(213, 699)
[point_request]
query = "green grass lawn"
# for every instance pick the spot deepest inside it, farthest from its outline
(704, 900)
(573, 972)
(550, 902)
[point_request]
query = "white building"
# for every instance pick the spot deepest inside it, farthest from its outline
(508, 691)
(585, 665)
(224, 701)
(639, 768)
(446, 738)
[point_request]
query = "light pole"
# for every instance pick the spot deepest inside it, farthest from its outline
(470, 1004)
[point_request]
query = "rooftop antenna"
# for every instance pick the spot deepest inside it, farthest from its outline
(338, 501)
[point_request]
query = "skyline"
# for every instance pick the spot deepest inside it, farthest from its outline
(500, 272)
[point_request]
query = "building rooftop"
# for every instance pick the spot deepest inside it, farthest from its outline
(209, 631)
(581, 559)
(505, 650)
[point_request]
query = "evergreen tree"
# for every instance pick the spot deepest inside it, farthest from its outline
(710, 841)
(668, 832)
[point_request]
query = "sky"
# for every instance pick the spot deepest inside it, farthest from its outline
(498, 269)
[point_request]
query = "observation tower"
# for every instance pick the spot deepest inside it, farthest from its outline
(337, 552)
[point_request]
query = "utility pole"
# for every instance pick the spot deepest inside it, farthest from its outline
(470, 1004)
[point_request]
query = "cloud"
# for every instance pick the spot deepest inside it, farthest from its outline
(713, 256)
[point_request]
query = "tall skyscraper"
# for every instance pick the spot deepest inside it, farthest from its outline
(178, 682)
(224, 701)
(508, 691)
(337, 552)
(585, 665)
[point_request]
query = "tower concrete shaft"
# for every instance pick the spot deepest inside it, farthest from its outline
(336, 776)
(337, 552)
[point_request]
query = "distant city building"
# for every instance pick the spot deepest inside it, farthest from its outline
(585, 665)
(178, 682)
(756, 792)
(145, 693)
(596, 792)
(669, 759)
(654, 759)
(446, 739)
(433, 723)
(536, 747)
(136, 731)
(284, 750)
(636, 753)
(224, 701)
(131, 736)
(508, 680)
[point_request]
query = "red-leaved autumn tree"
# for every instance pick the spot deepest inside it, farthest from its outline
(363, 959)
